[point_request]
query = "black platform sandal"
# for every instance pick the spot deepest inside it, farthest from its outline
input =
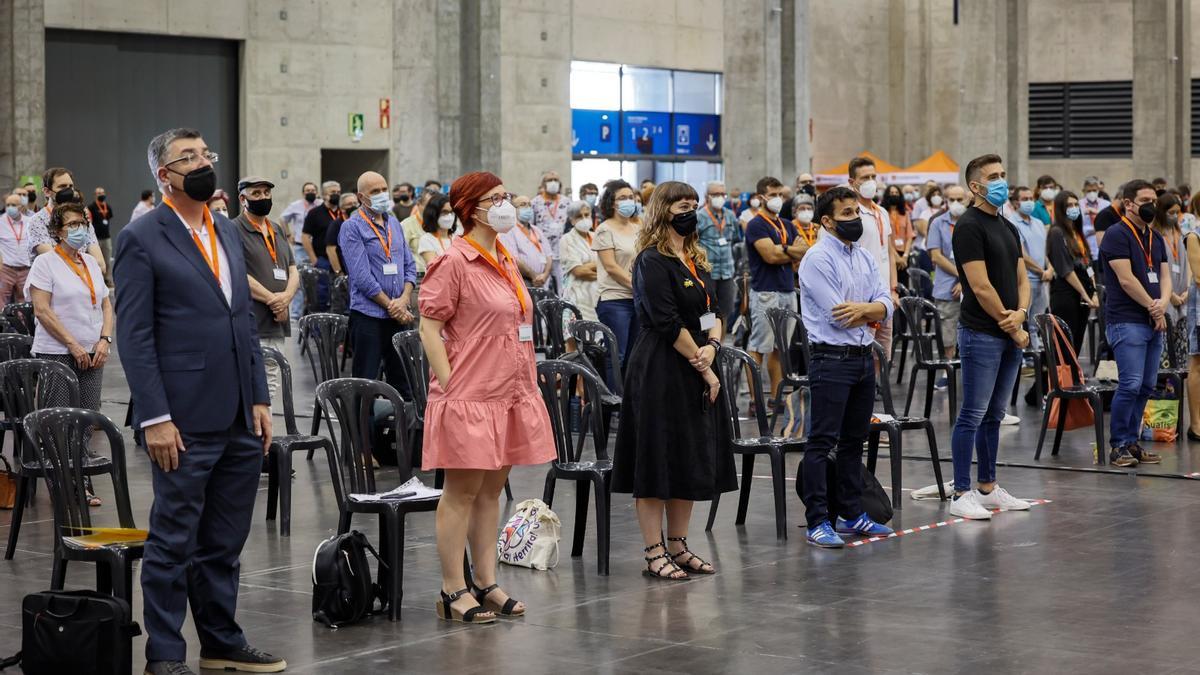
(509, 605)
(669, 567)
(447, 613)
(686, 565)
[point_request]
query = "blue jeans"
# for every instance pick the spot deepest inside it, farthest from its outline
(322, 303)
(843, 395)
(1137, 348)
(990, 366)
(620, 316)
(298, 298)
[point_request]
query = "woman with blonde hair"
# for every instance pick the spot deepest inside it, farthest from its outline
(671, 445)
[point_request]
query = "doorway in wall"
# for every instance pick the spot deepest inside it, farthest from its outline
(345, 166)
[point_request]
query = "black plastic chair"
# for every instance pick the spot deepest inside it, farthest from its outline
(26, 385)
(895, 429)
(60, 437)
(12, 346)
(901, 340)
(1175, 351)
(19, 316)
(351, 402)
(929, 354)
(279, 456)
(310, 280)
(599, 344)
(552, 311)
(920, 282)
(792, 380)
(323, 333)
(557, 381)
(731, 364)
(339, 295)
(1038, 356)
(1059, 391)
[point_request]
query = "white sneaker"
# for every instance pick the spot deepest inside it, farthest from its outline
(968, 506)
(1010, 420)
(999, 498)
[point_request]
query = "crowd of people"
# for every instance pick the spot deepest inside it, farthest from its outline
(670, 270)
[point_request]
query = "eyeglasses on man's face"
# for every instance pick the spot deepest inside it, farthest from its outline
(189, 158)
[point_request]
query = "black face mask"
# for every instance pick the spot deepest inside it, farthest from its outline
(334, 199)
(893, 201)
(310, 197)
(65, 196)
(102, 198)
(259, 207)
(199, 184)
(684, 223)
(848, 230)
(404, 199)
(809, 189)
(1146, 212)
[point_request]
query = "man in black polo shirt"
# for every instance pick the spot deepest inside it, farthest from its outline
(316, 222)
(100, 212)
(991, 335)
(1137, 283)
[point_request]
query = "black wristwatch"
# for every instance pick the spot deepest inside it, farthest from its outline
(107, 337)
(716, 344)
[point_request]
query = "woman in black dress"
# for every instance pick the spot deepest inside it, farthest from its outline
(672, 445)
(1072, 291)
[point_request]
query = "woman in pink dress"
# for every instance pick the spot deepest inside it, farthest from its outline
(485, 413)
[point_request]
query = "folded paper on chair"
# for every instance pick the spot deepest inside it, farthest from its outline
(107, 536)
(413, 490)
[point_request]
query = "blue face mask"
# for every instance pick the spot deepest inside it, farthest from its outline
(1072, 212)
(1026, 207)
(77, 238)
(627, 207)
(997, 192)
(12, 211)
(381, 202)
(525, 214)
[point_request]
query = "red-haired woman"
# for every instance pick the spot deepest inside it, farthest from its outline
(484, 413)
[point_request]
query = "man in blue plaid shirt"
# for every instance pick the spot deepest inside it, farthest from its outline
(718, 230)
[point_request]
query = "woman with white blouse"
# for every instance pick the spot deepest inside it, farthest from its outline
(440, 225)
(579, 262)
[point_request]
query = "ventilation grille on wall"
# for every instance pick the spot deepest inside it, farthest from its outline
(1196, 118)
(1081, 119)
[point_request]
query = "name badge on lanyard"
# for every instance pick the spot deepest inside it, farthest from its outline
(1152, 277)
(280, 275)
(525, 332)
(708, 320)
(1175, 268)
(722, 241)
(391, 269)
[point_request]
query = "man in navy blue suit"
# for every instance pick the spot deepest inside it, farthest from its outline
(195, 371)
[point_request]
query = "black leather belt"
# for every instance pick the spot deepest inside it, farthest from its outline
(841, 350)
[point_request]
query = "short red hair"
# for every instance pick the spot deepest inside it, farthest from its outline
(465, 193)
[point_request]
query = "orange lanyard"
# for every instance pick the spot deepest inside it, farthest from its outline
(1138, 238)
(268, 235)
(807, 231)
(876, 211)
(719, 223)
(214, 263)
(778, 225)
(387, 245)
(695, 275)
(1084, 251)
(1174, 246)
(420, 221)
(85, 275)
(102, 207)
(334, 215)
(503, 271)
(534, 238)
(553, 209)
(18, 234)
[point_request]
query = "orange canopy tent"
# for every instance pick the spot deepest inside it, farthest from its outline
(937, 167)
(839, 174)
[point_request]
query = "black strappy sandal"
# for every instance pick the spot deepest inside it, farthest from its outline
(686, 565)
(447, 613)
(509, 605)
(669, 566)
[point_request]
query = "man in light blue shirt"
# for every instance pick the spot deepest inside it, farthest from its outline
(843, 301)
(947, 291)
(382, 276)
(1033, 251)
(718, 230)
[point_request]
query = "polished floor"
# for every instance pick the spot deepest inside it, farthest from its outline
(1099, 580)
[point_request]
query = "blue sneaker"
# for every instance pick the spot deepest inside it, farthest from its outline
(863, 525)
(824, 536)
(941, 384)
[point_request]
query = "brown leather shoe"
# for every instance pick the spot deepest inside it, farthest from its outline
(1143, 455)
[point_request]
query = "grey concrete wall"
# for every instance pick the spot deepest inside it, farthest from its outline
(22, 97)
(746, 145)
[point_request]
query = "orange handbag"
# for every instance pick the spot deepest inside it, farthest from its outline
(1079, 411)
(8, 485)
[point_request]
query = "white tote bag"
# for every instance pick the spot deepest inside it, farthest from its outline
(530, 537)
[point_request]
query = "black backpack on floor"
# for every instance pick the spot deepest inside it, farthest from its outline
(78, 632)
(344, 592)
(875, 500)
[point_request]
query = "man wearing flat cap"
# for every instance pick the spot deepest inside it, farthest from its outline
(270, 267)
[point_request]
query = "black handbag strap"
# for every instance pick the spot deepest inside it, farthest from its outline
(10, 661)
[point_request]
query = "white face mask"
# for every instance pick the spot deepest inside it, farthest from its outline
(446, 221)
(775, 204)
(1091, 195)
(584, 225)
(717, 202)
(804, 215)
(755, 202)
(502, 218)
(957, 209)
(552, 187)
(867, 189)
(935, 201)
(1048, 194)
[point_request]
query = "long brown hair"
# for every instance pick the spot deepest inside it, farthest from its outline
(657, 226)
